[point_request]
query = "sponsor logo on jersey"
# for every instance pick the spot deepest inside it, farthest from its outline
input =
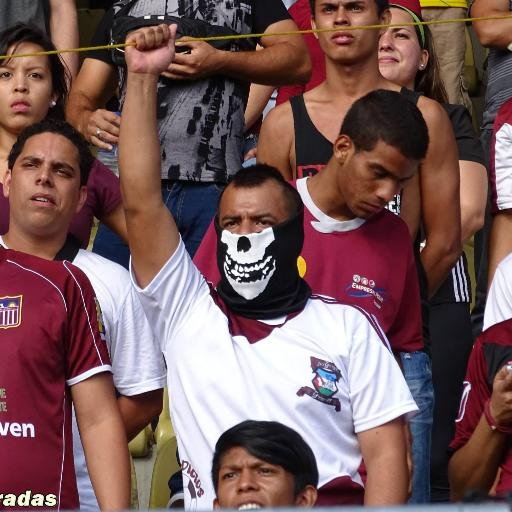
(394, 206)
(10, 311)
(362, 286)
(14, 429)
(325, 382)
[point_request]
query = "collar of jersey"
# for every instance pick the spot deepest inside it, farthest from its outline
(324, 223)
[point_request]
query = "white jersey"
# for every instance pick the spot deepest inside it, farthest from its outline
(137, 362)
(498, 306)
(326, 371)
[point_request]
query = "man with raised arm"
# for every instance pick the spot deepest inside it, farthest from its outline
(260, 345)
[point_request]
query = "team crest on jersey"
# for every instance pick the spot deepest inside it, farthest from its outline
(362, 286)
(325, 382)
(10, 311)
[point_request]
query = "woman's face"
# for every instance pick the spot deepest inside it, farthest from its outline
(25, 89)
(400, 54)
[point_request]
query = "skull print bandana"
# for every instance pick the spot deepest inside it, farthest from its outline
(259, 276)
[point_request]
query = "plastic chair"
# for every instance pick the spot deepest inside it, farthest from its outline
(165, 466)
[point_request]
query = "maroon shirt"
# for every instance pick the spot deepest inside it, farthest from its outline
(49, 339)
(492, 350)
(103, 196)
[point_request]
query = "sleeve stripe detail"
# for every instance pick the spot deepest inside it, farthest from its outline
(42, 277)
(63, 448)
(65, 264)
(88, 374)
(375, 324)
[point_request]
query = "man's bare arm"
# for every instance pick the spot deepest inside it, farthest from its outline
(475, 465)
(104, 441)
(492, 33)
(152, 233)
(473, 197)
(137, 411)
(440, 196)
(64, 31)
(384, 451)
(283, 60)
(276, 141)
(94, 85)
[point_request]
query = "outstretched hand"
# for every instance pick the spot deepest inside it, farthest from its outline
(150, 50)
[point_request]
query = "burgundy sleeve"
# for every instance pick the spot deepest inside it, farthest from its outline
(205, 258)
(104, 185)
(474, 395)
(86, 349)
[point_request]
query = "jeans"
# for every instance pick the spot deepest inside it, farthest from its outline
(193, 206)
(418, 375)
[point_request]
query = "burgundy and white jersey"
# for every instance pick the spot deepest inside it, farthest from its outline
(491, 351)
(326, 371)
(500, 165)
(366, 263)
(498, 306)
(49, 338)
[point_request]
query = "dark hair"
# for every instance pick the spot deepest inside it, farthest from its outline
(273, 443)
(20, 33)
(390, 117)
(60, 128)
(382, 5)
(428, 81)
(256, 175)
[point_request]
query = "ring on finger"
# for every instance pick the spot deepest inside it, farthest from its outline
(98, 133)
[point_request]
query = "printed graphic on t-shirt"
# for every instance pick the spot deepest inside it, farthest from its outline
(325, 383)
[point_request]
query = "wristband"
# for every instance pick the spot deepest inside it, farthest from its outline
(492, 422)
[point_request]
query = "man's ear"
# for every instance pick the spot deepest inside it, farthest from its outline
(7, 183)
(385, 17)
(313, 26)
(307, 497)
(342, 145)
(82, 198)
(216, 505)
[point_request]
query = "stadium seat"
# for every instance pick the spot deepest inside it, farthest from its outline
(165, 466)
(141, 444)
(164, 430)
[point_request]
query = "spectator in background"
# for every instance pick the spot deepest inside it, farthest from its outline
(482, 452)
(53, 351)
(407, 57)
(450, 45)
(263, 464)
(500, 177)
(300, 11)
(495, 35)
(58, 18)
(202, 98)
(43, 199)
(33, 88)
